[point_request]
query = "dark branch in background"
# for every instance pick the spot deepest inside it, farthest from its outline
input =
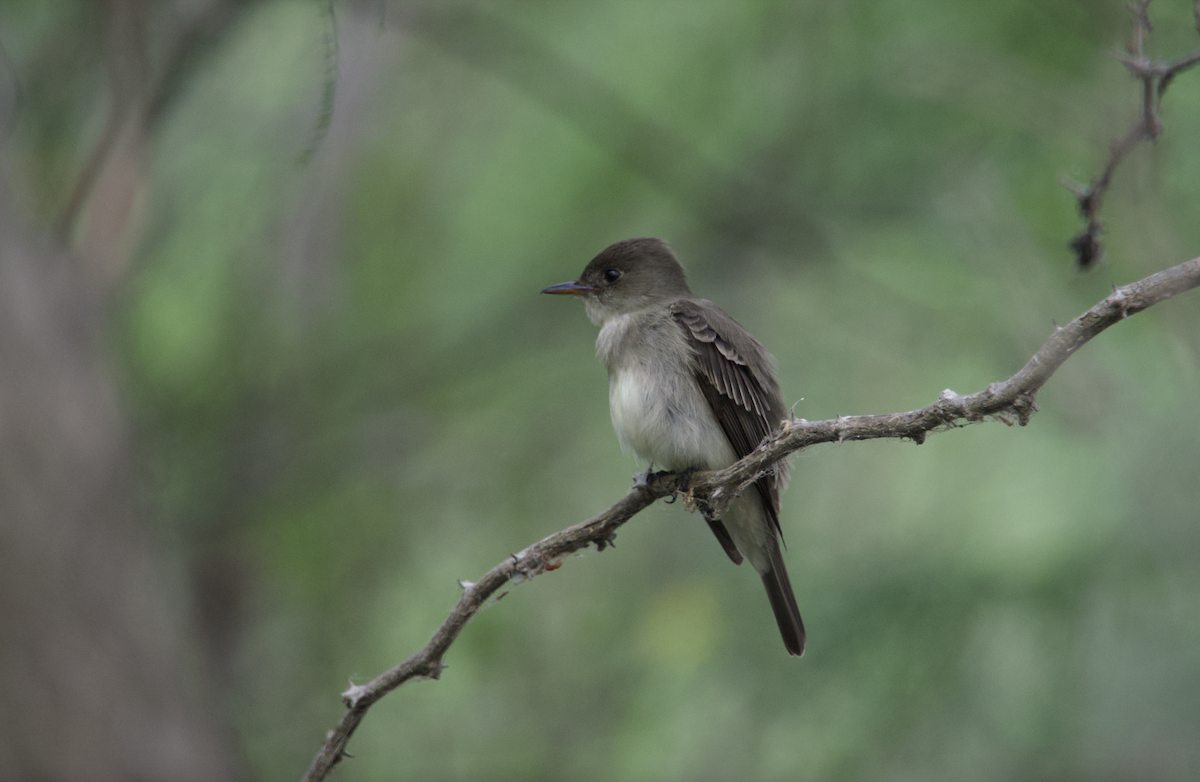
(1013, 400)
(136, 95)
(328, 90)
(125, 41)
(191, 47)
(1155, 76)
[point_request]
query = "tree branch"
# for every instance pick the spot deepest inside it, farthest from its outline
(1011, 400)
(711, 492)
(546, 554)
(1155, 76)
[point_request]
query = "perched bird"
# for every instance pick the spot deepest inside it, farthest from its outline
(690, 389)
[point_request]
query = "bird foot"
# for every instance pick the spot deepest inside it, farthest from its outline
(681, 487)
(643, 480)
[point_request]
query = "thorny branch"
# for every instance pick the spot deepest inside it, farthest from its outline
(1013, 400)
(1155, 76)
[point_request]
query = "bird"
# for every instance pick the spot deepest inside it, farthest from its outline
(690, 389)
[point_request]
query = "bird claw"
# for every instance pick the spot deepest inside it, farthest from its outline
(642, 479)
(682, 480)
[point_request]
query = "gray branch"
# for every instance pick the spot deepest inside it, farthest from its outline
(1155, 76)
(1010, 401)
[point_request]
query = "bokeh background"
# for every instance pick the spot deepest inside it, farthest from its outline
(274, 373)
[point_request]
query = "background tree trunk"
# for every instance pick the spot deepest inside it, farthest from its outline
(94, 677)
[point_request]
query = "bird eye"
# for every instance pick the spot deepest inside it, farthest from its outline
(612, 275)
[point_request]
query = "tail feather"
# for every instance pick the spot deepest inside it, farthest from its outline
(783, 604)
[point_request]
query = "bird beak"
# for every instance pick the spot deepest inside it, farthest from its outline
(574, 288)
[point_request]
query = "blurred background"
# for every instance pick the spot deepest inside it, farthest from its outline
(274, 373)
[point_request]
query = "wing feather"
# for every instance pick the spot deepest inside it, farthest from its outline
(746, 403)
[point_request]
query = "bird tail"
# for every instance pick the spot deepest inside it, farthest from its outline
(783, 603)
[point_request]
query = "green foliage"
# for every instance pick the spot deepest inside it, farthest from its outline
(344, 379)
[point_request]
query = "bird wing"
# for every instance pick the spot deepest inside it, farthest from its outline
(746, 403)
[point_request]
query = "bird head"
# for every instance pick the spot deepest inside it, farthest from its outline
(627, 277)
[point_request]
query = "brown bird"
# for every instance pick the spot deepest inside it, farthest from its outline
(690, 389)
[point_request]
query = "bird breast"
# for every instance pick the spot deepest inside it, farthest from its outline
(658, 410)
